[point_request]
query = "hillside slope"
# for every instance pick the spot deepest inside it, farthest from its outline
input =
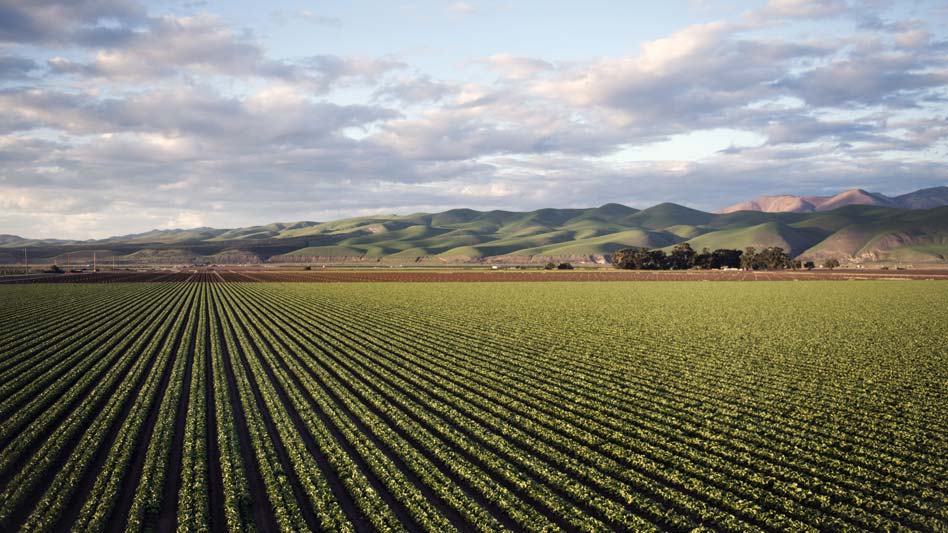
(793, 240)
(850, 233)
(920, 236)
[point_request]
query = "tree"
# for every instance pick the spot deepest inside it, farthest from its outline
(770, 258)
(809, 265)
(640, 259)
(622, 259)
(549, 266)
(725, 258)
(703, 259)
(749, 258)
(682, 257)
(564, 266)
(773, 258)
(831, 263)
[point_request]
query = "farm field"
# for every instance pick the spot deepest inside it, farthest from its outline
(573, 406)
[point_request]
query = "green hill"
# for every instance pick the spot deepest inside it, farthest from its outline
(760, 236)
(893, 234)
(854, 232)
(603, 245)
(667, 214)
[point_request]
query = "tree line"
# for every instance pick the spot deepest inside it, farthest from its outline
(684, 257)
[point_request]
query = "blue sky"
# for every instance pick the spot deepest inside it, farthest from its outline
(118, 116)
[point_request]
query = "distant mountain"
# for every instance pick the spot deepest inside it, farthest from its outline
(921, 199)
(841, 226)
(924, 198)
(17, 241)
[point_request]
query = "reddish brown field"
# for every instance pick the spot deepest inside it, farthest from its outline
(417, 276)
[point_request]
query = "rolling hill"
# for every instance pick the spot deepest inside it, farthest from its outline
(852, 232)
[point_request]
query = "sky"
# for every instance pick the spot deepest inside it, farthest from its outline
(121, 116)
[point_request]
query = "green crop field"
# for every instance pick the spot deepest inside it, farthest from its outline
(795, 406)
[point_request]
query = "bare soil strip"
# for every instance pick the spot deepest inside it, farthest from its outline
(466, 276)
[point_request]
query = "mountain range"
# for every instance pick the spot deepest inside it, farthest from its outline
(786, 203)
(852, 226)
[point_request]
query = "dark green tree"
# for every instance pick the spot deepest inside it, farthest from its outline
(682, 257)
(640, 259)
(772, 258)
(725, 258)
(749, 258)
(703, 259)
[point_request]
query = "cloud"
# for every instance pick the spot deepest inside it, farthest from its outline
(698, 77)
(110, 114)
(52, 22)
(416, 89)
(804, 9)
(16, 68)
(796, 129)
(169, 45)
(518, 68)
(32, 200)
(203, 45)
(871, 77)
(186, 219)
(277, 114)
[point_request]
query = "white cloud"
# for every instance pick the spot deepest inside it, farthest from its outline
(518, 68)
(185, 220)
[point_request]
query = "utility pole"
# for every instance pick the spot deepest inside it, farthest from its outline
(26, 260)
(93, 261)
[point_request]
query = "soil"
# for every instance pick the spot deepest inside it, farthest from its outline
(421, 276)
